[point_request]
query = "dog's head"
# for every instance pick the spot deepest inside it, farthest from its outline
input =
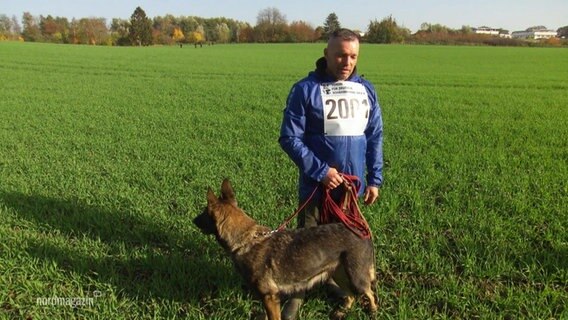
(216, 211)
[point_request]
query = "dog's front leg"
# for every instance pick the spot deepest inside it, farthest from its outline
(272, 306)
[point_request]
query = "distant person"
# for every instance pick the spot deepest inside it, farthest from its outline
(332, 124)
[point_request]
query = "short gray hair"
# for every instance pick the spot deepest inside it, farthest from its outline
(345, 35)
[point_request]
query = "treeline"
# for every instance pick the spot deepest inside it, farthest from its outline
(271, 27)
(161, 30)
(164, 30)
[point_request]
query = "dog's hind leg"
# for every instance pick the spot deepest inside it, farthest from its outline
(338, 286)
(362, 277)
(372, 296)
(341, 288)
(272, 306)
(372, 305)
(371, 291)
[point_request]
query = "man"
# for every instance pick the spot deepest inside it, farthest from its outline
(332, 124)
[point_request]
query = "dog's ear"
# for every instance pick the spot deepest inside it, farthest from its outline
(227, 192)
(211, 197)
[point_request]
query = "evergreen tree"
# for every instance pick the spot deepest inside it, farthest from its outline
(331, 24)
(562, 32)
(140, 28)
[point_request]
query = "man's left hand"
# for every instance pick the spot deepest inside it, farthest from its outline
(371, 195)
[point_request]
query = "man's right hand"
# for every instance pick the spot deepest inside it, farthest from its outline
(332, 179)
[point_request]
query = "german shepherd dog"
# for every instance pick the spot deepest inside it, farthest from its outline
(290, 261)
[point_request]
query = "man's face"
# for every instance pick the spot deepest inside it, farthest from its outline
(341, 56)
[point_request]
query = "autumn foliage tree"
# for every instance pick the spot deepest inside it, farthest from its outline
(301, 31)
(164, 28)
(54, 29)
(245, 34)
(177, 35)
(195, 37)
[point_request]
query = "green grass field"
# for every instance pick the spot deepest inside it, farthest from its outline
(106, 154)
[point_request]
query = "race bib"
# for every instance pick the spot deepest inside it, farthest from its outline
(345, 107)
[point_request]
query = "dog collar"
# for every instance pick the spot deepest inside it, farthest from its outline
(265, 234)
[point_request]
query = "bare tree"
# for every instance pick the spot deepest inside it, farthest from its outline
(31, 28)
(270, 25)
(5, 27)
(16, 28)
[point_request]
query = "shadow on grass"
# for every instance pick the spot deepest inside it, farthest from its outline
(142, 257)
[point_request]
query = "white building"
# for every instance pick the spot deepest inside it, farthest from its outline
(534, 33)
(493, 32)
(487, 30)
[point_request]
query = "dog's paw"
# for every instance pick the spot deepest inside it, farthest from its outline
(258, 315)
(338, 314)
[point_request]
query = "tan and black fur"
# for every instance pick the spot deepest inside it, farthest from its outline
(289, 261)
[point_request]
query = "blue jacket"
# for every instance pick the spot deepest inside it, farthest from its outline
(303, 134)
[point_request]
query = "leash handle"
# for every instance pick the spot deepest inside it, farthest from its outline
(356, 222)
(347, 211)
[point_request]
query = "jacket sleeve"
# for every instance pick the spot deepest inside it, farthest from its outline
(292, 134)
(374, 134)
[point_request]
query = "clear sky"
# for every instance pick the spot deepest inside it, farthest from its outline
(512, 15)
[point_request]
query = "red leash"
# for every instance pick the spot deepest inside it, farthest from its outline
(349, 213)
(285, 223)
